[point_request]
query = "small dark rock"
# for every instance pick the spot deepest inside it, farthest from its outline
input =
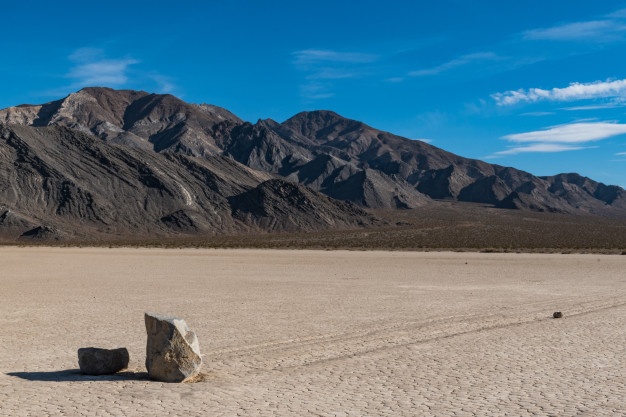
(557, 315)
(97, 361)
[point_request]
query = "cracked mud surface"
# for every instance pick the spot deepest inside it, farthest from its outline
(318, 333)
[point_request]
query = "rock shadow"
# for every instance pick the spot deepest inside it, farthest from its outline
(74, 375)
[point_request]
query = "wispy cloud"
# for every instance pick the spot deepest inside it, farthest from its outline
(520, 51)
(620, 154)
(539, 147)
(92, 68)
(538, 113)
(432, 119)
(316, 91)
(575, 91)
(571, 133)
(454, 63)
(165, 85)
(312, 59)
(394, 80)
(619, 14)
(321, 66)
(589, 31)
(569, 137)
(612, 105)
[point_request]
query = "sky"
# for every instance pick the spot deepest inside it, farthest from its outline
(537, 85)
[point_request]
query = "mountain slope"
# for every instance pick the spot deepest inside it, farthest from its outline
(134, 118)
(342, 158)
(56, 179)
(349, 160)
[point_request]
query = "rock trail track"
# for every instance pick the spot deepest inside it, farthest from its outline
(294, 353)
(308, 333)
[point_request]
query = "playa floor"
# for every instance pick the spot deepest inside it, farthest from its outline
(318, 333)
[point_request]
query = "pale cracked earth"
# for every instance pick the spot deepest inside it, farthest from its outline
(315, 333)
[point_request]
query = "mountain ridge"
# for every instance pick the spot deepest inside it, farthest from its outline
(63, 183)
(321, 150)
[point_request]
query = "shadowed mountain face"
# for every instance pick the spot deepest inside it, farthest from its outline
(56, 182)
(128, 160)
(349, 160)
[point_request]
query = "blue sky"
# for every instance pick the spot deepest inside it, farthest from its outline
(538, 85)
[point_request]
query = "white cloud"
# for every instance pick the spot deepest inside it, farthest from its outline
(538, 113)
(539, 147)
(620, 154)
(570, 133)
(589, 31)
(569, 137)
(91, 68)
(575, 91)
(604, 106)
(454, 63)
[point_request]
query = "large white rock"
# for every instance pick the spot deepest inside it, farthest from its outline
(172, 352)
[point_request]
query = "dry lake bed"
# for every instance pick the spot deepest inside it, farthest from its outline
(318, 333)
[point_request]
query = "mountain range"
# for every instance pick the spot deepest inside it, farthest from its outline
(104, 162)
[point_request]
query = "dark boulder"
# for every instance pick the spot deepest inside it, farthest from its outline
(97, 361)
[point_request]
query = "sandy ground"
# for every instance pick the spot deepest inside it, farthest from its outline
(315, 333)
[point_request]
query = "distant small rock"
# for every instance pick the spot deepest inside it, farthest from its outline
(172, 351)
(557, 315)
(97, 361)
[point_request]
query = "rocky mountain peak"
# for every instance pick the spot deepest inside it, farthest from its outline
(320, 124)
(219, 112)
(340, 157)
(133, 118)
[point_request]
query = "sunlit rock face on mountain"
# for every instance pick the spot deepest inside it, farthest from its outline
(118, 160)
